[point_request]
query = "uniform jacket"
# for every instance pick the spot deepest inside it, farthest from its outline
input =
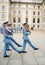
(7, 35)
(25, 33)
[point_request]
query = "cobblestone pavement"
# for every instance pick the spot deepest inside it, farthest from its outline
(31, 57)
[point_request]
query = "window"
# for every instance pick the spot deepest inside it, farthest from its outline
(14, 20)
(26, 12)
(14, 25)
(19, 12)
(38, 20)
(33, 26)
(38, 7)
(43, 20)
(14, 5)
(3, 8)
(38, 13)
(3, 17)
(34, 13)
(14, 11)
(34, 6)
(33, 20)
(26, 5)
(26, 20)
(19, 5)
(19, 25)
(19, 19)
(44, 3)
(44, 10)
(38, 26)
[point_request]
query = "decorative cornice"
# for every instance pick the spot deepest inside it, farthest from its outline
(27, 2)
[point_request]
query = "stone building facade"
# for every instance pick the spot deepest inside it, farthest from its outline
(18, 11)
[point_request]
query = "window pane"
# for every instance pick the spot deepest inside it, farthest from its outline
(38, 7)
(14, 5)
(19, 12)
(38, 26)
(26, 5)
(38, 13)
(19, 5)
(14, 11)
(19, 20)
(38, 21)
(34, 6)
(33, 20)
(34, 13)
(3, 8)
(3, 17)
(33, 26)
(14, 20)
(26, 12)
(44, 3)
(14, 25)
(26, 19)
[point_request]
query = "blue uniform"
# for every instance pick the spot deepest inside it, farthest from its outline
(8, 41)
(9, 33)
(26, 39)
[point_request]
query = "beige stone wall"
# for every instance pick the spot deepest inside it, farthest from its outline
(18, 10)
(15, 7)
(4, 11)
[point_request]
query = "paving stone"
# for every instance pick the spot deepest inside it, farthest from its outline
(15, 55)
(38, 54)
(41, 60)
(15, 62)
(31, 57)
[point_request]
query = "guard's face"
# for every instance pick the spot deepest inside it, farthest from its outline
(27, 27)
(6, 25)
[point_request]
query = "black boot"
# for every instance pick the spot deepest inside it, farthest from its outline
(8, 49)
(19, 45)
(22, 52)
(36, 49)
(6, 56)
